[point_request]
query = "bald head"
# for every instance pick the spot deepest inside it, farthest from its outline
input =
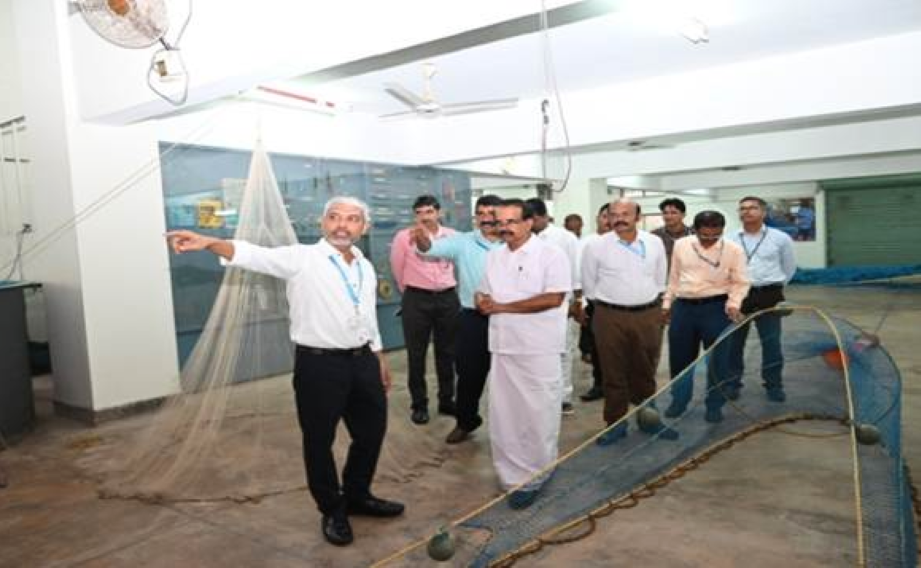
(630, 205)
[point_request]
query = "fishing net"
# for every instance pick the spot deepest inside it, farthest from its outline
(232, 433)
(833, 373)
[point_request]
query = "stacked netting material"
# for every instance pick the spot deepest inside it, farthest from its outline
(833, 374)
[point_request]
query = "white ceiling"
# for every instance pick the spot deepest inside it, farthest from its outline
(637, 40)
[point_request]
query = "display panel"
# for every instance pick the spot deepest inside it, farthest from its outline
(203, 187)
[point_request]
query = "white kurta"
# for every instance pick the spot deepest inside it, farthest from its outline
(525, 383)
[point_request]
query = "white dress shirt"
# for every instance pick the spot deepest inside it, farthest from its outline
(324, 313)
(625, 274)
(583, 245)
(569, 244)
(535, 268)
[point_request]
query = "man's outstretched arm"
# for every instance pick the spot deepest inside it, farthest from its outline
(187, 241)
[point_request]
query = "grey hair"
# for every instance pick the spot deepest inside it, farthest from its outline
(346, 200)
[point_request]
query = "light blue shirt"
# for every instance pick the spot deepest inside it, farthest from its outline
(468, 252)
(770, 255)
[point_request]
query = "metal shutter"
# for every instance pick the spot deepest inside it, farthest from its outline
(874, 221)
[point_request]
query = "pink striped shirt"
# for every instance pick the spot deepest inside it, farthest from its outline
(412, 269)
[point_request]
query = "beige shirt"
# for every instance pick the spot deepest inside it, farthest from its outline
(697, 272)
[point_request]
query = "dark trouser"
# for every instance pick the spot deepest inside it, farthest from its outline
(769, 332)
(629, 344)
(472, 366)
(587, 345)
(329, 387)
(691, 325)
(427, 313)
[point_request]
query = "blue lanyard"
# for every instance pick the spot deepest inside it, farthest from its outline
(750, 255)
(355, 296)
(481, 244)
(640, 253)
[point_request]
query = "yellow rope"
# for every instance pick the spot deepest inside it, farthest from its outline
(693, 462)
(858, 493)
(646, 490)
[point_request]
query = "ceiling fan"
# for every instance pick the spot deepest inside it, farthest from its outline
(427, 105)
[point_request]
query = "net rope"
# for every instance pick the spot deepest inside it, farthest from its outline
(875, 403)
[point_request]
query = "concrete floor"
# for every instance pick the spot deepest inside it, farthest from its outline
(773, 500)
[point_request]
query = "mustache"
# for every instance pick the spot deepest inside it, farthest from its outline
(504, 232)
(620, 224)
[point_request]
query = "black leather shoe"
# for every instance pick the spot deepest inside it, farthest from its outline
(457, 436)
(371, 506)
(337, 530)
(447, 409)
(593, 393)
(420, 416)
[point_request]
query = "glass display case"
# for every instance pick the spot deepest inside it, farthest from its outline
(203, 187)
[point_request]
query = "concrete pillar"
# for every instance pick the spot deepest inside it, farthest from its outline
(98, 247)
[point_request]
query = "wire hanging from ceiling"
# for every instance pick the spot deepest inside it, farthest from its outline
(164, 62)
(552, 91)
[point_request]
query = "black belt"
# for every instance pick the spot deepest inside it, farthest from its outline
(353, 352)
(707, 300)
(638, 308)
(430, 292)
(776, 286)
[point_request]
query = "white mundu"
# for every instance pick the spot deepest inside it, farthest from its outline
(525, 384)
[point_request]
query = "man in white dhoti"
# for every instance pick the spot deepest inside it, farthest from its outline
(522, 291)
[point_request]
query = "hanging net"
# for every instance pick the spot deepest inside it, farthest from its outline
(841, 387)
(232, 433)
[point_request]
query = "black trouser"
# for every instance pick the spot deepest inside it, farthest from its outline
(427, 313)
(769, 330)
(328, 387)
(587, 345)
(472, 364)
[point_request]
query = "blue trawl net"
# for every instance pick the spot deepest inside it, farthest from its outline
(832, 372)
(852, 274)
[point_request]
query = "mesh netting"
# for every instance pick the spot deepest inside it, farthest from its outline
(232, 434)
(833, 372)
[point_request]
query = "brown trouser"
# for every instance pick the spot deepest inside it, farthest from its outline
(629, 344)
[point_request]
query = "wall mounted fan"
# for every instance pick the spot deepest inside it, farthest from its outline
(138, 24)
(427, 105)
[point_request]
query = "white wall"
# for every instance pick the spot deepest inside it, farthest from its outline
(106, 278)
(346, 136)
(10, 98)
(10, 107)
